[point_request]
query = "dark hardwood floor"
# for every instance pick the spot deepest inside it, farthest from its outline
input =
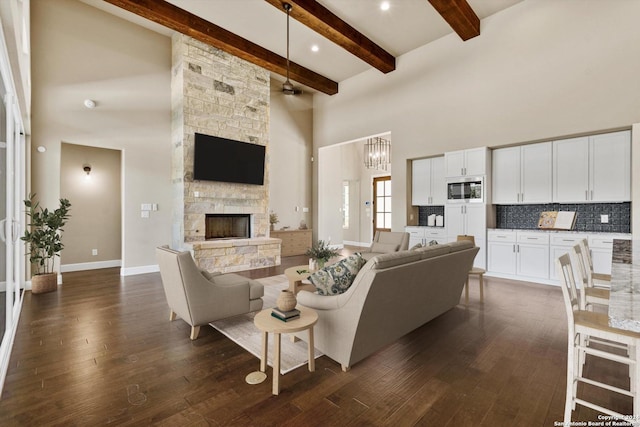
(101, 351)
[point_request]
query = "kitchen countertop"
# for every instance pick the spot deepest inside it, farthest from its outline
(536, 230)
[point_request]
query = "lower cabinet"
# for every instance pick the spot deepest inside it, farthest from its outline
(531, 254)
(518, 253)
(424, 235)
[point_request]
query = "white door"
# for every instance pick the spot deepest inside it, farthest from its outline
(533, 260)
(506, 175)
(502, 257)
(536, 173)
(454, 163)
(610, 161)
(475, 161)
(571, 170)
(420, 182)
(438, 182)
(455, 220)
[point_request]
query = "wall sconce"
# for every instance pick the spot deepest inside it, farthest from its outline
(87, 169)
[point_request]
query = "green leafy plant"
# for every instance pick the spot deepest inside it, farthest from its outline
(43, 233)
(321, 251)
(273, 218)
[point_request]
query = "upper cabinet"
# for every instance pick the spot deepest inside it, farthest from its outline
(471, 162)
(592, 169)
(522, 174)
(428, 185)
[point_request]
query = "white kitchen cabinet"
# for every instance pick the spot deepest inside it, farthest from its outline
(501, 251)
(522, 254)
(428, 185)
(472, 162)
(592, 169)
(469, 219)
(522, 174)
(532, 252)
(424, 235)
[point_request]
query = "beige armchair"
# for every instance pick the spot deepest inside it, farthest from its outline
(200, 297)
(386, 242)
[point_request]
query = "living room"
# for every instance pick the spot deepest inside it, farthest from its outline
(539, 71)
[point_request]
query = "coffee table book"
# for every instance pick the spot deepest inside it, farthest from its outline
(284, 319)
(286, 314)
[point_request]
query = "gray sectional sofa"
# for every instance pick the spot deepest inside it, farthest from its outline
(392, 295)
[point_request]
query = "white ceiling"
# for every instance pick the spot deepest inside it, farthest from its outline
(408, 24)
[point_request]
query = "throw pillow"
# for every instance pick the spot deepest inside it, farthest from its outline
(416, 246)
(336, 278)
(384, 248)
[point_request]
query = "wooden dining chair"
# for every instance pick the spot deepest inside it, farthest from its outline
(475, 271)
(598, 280)
(589, 294)
(583, 324)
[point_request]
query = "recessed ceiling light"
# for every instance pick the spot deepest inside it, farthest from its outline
(385, 5)
(41, 149)
(315, 48)
(90, 103)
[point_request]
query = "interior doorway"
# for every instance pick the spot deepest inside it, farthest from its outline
(381, 204)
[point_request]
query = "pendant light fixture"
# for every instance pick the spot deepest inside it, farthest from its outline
(377, 153)
(287, 86)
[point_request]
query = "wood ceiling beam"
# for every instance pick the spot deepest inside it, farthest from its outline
(459, 16)
(184, 22)
(330, 26)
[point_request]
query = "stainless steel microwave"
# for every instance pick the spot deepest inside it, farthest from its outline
(465, 190)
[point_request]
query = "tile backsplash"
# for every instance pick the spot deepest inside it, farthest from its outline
(587, 216)
(425, 211)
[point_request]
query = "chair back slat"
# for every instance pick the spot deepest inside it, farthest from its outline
(567, 280)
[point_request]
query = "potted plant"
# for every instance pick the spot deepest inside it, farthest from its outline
(43, 237)
(321, 252)
(273, 219)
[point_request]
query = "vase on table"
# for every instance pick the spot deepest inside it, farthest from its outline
(286, 301)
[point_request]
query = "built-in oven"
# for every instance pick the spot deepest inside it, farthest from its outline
(465, 190)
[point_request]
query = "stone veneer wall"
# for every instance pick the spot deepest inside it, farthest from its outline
(218, 94)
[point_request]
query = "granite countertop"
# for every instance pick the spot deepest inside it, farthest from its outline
(622, 235)
(624, 300)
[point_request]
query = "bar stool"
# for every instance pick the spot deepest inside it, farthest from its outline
(583, 325)
(590, 294)
(598, 280)
(475, 271)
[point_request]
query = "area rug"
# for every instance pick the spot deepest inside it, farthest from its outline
(241, 330)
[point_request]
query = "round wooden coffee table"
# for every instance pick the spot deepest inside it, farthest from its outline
(296, 275)
(267, 323)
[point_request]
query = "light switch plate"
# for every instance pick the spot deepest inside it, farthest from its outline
(604, 219)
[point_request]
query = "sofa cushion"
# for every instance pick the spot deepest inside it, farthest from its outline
(384, 248)
(209, 274)
(434, 250)
(336, 278)
(416, 246)
(396, 258)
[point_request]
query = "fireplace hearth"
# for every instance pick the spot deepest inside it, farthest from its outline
(227, 226)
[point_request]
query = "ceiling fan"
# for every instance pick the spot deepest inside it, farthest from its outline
(287, 86)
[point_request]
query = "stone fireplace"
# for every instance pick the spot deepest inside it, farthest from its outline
(215, 93)
(227, 226)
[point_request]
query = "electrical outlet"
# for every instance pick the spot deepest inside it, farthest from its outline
(94, 252)
(144, 214)
(604, 219)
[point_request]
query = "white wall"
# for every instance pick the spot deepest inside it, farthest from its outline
(539, 70)
(81, 52)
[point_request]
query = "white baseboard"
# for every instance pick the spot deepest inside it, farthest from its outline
(66, 268)
(144, 269)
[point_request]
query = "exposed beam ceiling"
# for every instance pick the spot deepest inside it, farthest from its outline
(184, 22)
(330, 26)
(460, 16)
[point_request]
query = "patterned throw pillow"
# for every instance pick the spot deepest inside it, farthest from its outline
(337, 278)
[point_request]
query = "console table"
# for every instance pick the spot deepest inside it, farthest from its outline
(294, 242)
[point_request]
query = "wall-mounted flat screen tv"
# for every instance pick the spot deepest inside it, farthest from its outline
(226, 160)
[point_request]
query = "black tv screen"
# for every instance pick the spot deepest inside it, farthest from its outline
(226, 160)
